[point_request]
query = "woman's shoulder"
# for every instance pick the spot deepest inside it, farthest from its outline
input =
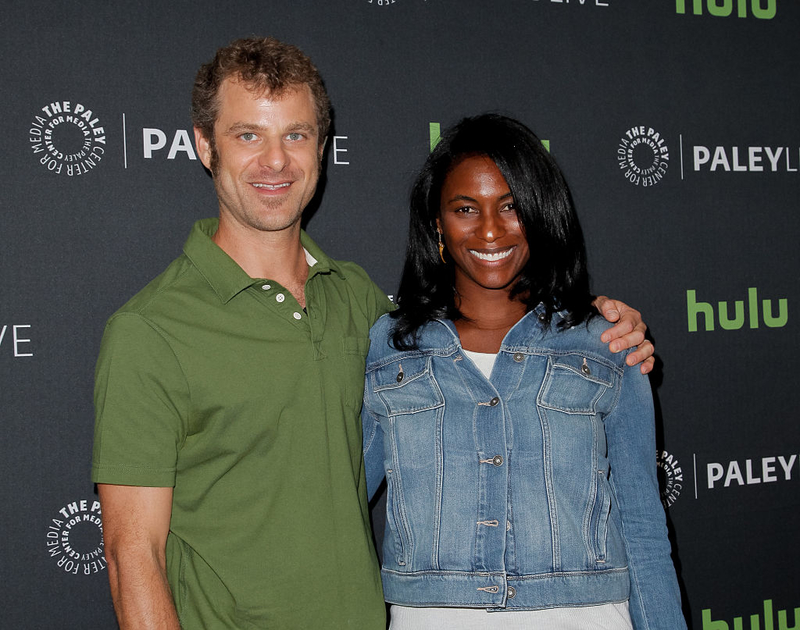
(380, 339)
(585, 337)
(433, 337)
(383, 325)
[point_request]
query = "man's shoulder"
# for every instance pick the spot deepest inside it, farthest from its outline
(161, 292)
(347, 270)
(352, 272)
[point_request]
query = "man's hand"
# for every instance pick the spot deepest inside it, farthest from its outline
(628, 332)
(135, 527)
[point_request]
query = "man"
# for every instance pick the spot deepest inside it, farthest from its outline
(227, 440)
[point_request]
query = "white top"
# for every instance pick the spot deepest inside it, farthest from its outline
(601, 617)
(484, 360)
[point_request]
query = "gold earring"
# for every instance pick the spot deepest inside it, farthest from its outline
(441, 247)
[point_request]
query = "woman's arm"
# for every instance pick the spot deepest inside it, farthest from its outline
(373, 450)
(655, 601)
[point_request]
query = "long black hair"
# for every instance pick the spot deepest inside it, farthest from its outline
(555, 274)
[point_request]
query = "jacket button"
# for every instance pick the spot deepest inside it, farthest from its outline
(497, 460)
(512, 592)
(399, 376)
(519, 357)
(542, 317)
(494, 401)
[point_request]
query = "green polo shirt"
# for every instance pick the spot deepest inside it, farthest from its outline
(224, 388)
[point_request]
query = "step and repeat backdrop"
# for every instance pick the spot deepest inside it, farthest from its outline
(675, 121)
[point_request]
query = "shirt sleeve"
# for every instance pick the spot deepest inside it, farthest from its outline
(141, 406)
(381, 304)
(655, 601)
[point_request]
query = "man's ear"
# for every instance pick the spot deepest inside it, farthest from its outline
(322, 146)
(203, 146)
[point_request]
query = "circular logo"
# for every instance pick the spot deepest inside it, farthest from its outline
(643, 156)
(381, 3)
(670, 478)
(75, 538)
(67, 138)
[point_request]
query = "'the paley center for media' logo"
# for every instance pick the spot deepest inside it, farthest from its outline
(643, 156)
(670, 477)
(67, 138)
(75, 538)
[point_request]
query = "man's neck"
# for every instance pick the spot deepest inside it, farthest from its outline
(275, 255)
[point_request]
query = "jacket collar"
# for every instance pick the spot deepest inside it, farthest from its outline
(441, 334)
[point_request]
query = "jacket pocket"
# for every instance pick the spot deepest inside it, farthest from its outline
(407, 386)
(600, 521)
(575, 383)
(396, 544)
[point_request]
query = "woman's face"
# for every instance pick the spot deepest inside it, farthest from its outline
(481, 229)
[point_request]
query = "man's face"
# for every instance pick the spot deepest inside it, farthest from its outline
(267, 159)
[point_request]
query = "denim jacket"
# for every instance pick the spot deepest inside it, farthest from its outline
(533, 489)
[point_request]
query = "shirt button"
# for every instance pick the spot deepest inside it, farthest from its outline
(497, 460)
(296, 315)
(519, 357)
(280, 297)
(494, 401)
(512, 592)
(266, 287)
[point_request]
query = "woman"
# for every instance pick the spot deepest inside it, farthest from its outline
(518, 451)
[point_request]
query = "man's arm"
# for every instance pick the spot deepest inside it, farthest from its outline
(628, 332)
(135, 527)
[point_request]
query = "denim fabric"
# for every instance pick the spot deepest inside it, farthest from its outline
(533, 489)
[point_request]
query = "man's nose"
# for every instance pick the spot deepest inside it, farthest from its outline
(274, 155)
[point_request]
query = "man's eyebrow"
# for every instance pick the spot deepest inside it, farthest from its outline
(301, 126)
(242, 127)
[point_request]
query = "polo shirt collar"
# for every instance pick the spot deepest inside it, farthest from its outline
(323, 263)
(223, 274)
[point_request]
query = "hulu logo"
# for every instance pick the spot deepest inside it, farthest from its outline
(436, 133)
(755, 620)
(733, 322)
(724, 8)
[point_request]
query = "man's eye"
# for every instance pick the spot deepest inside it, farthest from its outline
(248, 136)
(295, 136)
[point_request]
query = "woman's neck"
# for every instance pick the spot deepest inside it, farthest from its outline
(486, 320)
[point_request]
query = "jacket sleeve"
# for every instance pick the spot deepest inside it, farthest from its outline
(655, 601)
(373, 446)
